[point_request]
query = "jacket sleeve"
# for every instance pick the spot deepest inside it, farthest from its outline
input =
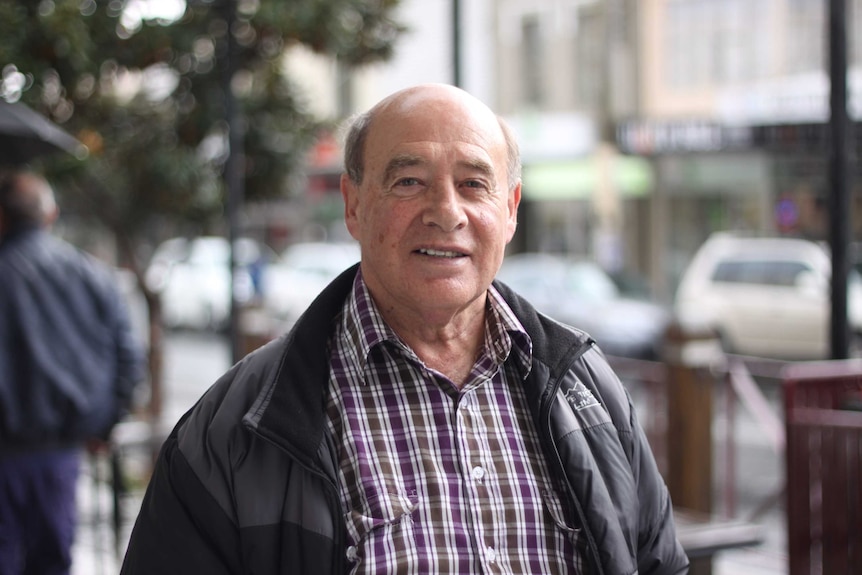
(659, 550)
(180, 528)
(633, 501)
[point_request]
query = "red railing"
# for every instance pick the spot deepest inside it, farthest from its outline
(736, 386)
(739, 385)
(823, 412)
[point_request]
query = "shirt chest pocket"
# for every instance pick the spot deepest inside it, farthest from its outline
(384, 518)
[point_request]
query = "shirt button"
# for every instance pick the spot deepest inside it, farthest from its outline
(490, 554)
(478, 473)
(351, 553)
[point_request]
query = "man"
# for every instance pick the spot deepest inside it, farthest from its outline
(417, 419)
(68, 365)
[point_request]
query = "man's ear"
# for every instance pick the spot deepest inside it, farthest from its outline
(350, 194)
(513, 202)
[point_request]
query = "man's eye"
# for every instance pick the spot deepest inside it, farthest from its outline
(407, 182)
(477, 184)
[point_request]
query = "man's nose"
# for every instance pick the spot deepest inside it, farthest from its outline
(445, 207)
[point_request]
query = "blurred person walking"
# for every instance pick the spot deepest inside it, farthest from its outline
(69, 363)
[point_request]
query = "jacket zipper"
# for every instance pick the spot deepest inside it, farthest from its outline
(545, 413)
(334, 499)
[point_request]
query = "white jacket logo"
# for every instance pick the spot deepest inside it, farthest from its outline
(580, 397)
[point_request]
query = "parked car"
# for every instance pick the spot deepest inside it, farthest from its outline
(193, 279)
(580, 293)
(302, 271)
(767, 297)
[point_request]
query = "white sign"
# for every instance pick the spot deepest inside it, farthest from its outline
(798, 99)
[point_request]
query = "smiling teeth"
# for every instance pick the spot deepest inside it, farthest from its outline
(439, 253)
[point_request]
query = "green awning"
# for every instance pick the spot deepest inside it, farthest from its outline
(578, 179)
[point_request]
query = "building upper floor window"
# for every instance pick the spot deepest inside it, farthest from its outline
(590, 57)
(713, 42)
(531, 60)
(806, 36)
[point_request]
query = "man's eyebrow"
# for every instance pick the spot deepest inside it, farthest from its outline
(408, 160)
(479, 165)
(483, 167)
(398, 162)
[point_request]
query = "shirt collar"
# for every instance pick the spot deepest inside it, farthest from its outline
(504, 333)
(364, 328)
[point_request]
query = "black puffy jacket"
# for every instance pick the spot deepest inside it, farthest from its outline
(246, 482)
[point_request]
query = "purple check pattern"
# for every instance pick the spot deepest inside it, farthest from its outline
(435, 479)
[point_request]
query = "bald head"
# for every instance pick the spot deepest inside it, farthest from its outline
(425, 96)
(26, 201)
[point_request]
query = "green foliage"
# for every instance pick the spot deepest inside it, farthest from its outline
(158, 156)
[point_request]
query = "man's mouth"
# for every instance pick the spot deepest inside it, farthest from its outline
(440, 253)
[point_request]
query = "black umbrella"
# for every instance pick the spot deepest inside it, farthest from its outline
(26, 135)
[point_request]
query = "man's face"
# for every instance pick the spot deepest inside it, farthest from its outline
(434, 212)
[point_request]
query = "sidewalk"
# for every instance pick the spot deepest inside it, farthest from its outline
(93, 552)
(770, 558)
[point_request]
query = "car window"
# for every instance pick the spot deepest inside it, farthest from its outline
(784, 273)
(325, 261)
(591, 282)
(765, 272)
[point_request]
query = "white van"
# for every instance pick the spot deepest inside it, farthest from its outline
(767, 297)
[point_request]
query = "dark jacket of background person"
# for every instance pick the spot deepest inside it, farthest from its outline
(68, 357)
(246, 482)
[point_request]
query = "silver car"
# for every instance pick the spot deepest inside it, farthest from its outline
(580, 293)
(764, 296)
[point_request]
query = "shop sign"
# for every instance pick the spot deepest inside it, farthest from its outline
(650, 137)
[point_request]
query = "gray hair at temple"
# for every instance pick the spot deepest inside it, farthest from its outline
(357, 133)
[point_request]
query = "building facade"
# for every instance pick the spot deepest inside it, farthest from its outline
(644, 125)
(567, 71)
(733, 116)
(678, 118)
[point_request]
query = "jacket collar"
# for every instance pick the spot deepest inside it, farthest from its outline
(553, 343)
(291, 408)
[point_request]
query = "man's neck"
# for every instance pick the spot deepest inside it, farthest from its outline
(451, 346)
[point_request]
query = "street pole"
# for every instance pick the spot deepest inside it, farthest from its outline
(456, 42)
(233, 174)
(840, 205)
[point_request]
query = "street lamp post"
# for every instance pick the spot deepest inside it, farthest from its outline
(234, 167)
(840, 205)
(456, 42)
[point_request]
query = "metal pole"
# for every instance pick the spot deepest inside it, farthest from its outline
(839, 212)
(456, 42)
(234, 182)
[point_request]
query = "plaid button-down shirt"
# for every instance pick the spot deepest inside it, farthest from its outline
(436, 479)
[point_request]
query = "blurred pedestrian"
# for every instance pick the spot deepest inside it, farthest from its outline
(68, 366)
(419, 417)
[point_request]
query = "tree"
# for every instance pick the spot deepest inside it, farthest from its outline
(145, 96)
